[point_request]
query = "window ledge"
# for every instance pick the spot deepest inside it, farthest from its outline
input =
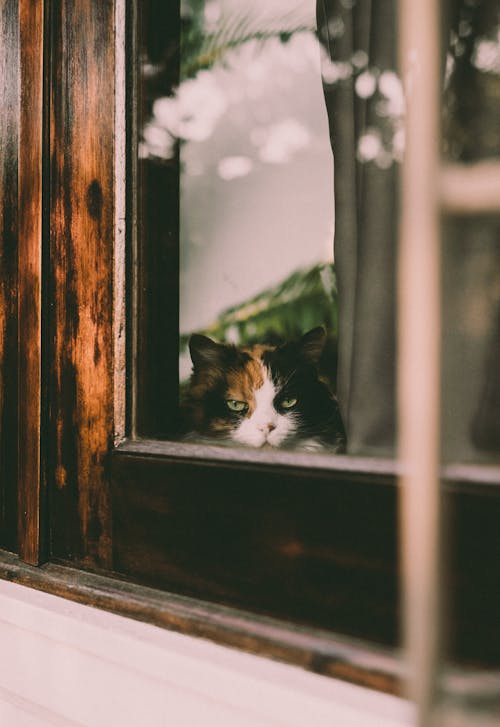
(375, 468)
(314, 650)
(182, 680)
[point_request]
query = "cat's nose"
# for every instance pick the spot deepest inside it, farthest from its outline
(267, 428)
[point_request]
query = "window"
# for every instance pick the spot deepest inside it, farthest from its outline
(231, 123)
(292, 554)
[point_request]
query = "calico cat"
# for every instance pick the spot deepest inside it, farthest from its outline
(263, 395)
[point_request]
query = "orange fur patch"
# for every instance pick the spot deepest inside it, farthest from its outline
(242, 384)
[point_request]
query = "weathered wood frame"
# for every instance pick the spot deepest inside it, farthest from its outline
(31, 249)
(9, 133)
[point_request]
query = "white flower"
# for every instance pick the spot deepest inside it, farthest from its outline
(212, 15)
(369, 145)
(282, 140)
(390, 86)
(365, 85)
(333, 71)
(359, 59)
(486, 56)
(156, 142)
(194, 111)
(234, 167)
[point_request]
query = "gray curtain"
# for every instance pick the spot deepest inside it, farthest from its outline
(359, 37)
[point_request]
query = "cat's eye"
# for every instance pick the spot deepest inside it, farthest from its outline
(237, 406)
(288, 403)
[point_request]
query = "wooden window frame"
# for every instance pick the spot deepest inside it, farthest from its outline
(9, 131)
(90, 499)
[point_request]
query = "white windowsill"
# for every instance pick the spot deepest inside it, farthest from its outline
(67, 664)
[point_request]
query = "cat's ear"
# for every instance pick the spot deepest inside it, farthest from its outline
(311, 345)
(206, 353)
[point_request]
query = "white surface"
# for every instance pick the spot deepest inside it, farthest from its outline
(66, 664)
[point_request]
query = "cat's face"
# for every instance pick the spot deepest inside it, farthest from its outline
(260, 395)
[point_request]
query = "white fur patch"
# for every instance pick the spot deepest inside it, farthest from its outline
(265, 425)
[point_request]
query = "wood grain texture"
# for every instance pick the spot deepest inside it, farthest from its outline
(312, 547)
(316, 548)
(155, 197)
(325, 653)
(81, 296)
(32, 36)
(9, 138)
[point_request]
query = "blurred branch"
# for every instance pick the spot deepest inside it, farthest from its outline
(201, 49)
(207, 59)
(305, 299)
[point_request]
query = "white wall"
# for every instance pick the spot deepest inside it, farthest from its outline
(66, 664)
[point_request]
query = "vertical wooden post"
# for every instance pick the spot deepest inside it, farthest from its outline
(419, 351)
(82, 229)
(9, 130)
(119, 262)
(30, 493)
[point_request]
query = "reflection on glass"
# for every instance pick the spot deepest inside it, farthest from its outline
(246, 123)
(234, 160)
(256, 207)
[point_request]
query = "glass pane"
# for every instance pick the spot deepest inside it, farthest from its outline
(236, 209)
(256, 186)
(246, 125)
(471, 250)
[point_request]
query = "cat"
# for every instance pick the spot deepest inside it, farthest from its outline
(262, 396)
